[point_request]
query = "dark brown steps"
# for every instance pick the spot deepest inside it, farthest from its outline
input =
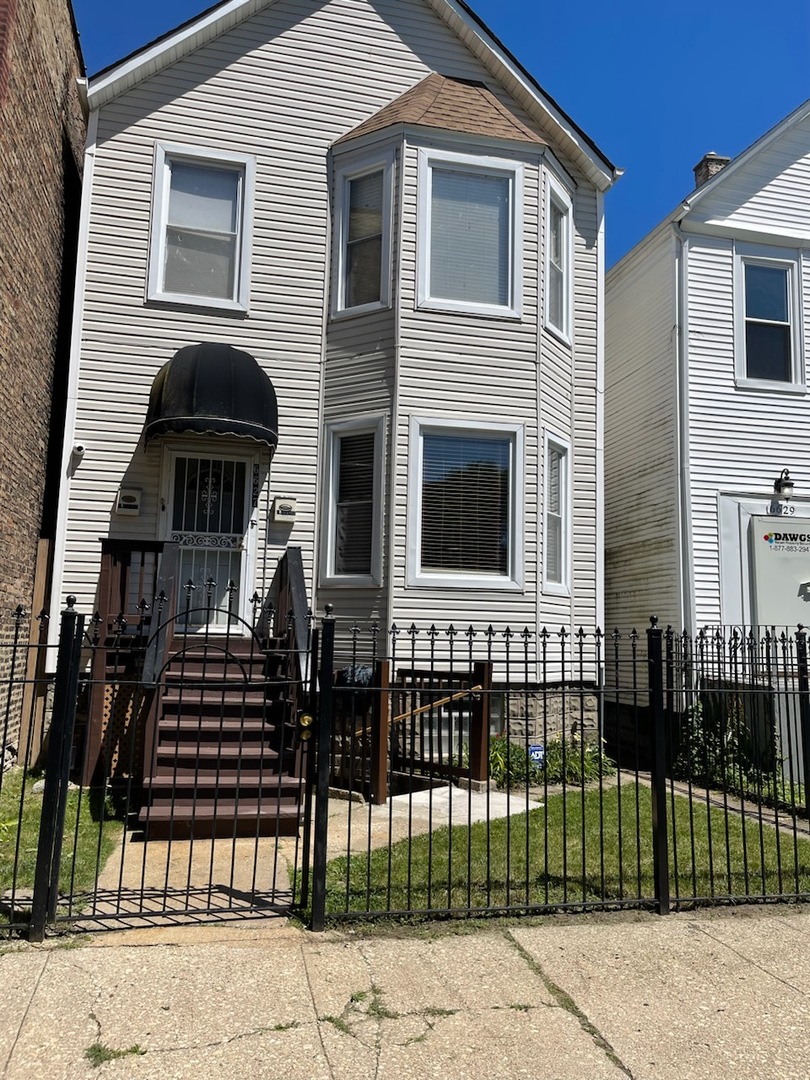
(221, 764)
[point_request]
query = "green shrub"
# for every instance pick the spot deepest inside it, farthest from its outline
(576, 761)
(567, 760)
(716, 750)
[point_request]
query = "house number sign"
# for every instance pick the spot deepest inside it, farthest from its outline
(780, 509)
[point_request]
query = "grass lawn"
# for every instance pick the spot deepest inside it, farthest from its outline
(539, 858)
(19, 838)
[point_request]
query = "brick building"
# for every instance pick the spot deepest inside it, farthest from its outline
(42, 128)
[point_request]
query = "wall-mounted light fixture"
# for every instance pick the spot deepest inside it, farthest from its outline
(783, 485)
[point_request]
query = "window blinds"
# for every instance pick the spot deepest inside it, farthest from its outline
(465, 524)
(470, 236)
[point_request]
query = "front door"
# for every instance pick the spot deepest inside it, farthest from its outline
(209, 518)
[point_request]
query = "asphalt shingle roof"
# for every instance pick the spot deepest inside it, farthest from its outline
(461, 105)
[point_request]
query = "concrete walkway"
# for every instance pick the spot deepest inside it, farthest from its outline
(708, 995)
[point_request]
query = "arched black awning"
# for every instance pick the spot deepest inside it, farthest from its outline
(213, 389)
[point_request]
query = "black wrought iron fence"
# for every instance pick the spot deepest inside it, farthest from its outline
(161, 769)
(499, 771)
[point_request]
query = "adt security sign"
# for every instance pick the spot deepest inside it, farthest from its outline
(537, 753)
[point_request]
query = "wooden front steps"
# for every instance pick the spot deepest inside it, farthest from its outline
(223, 760)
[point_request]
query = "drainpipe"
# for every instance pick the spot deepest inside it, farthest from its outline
(685, 554)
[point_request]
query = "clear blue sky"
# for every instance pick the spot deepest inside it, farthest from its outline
(656, 86)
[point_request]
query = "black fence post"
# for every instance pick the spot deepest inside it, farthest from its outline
(46, 874)
(655, 663)
(309, 769)
(324, 739)
(804, 708)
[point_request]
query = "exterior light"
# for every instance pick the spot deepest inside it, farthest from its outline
(783, 486)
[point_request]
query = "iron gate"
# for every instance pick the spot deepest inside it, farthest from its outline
(174, 763)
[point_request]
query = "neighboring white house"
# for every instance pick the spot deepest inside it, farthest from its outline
(374, 200)
(707, 347)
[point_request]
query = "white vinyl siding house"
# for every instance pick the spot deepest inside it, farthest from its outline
(706, 396)
(278, 205)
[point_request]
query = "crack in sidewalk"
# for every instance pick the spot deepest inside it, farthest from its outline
(24, 1017)
(566, 1002)
(754, 963)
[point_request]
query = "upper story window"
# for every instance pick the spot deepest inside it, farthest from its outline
(354, 502)
(768, 343)
(201, 223)
(465, 510)
(470, 221)
(559, 260)
(362, 281)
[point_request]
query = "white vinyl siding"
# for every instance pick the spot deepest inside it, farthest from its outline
(295, 93)
(466, 504)
(765, 197)
(201, 227)
(642, 542)
(761, 432)
(354, 502)
(296, 82)
(470, 233)
(362, 278)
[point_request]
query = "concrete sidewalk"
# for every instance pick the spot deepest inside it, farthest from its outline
(708, 995)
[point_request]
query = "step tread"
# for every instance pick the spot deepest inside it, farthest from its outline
(224, 779)
(252, 750)
(213, 725)
(222, 811)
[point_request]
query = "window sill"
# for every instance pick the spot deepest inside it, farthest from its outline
(464, 581)
(560, 335)
(770, 386)
(361, 309)
(349, 581)
(206, 303)
(554, 588)
(487, 311)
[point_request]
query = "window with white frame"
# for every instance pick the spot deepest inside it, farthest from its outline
(768, 342)
(556, 516)
(363, 271)
(558, 260)
(355, 502)
(470, 216)
(465, 517)
(201, 223)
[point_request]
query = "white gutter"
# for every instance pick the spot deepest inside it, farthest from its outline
(686, 560)
(600, 411)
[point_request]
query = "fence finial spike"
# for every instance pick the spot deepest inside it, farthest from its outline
(653, 621)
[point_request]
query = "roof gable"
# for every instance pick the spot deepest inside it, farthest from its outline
(449, 104)
(505, 69)
(727, 191)
(765, 187)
